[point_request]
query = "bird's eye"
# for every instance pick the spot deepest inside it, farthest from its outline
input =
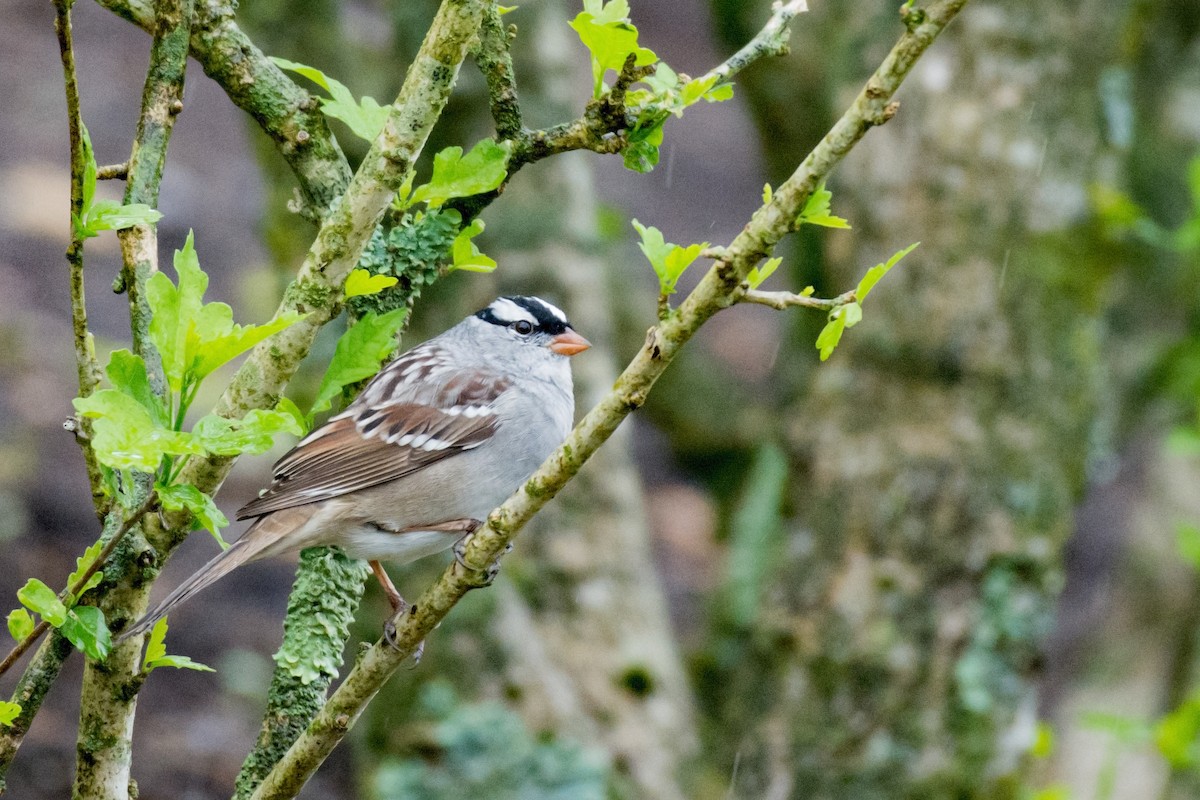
(523, 327)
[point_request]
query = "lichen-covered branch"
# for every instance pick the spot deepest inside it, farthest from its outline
(495, 62)
(108, 697)
(718, 289)
(314, 634)
(287, 113)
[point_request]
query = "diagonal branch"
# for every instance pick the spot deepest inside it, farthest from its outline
(719, 289)
(286, 112)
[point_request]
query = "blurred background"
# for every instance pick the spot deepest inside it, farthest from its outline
(957, 560)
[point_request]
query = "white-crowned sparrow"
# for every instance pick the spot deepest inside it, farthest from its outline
(435, 441)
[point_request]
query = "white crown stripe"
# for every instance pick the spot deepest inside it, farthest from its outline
(553, 309)
(508, 311)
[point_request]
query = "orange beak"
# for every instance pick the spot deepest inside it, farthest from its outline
(569, 343)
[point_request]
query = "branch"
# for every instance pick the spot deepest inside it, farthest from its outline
(87, 368)
(602, 126)
(108, 699)
(287, 113)
(321, 606)
(784, 300)
(772, 40)
(74, 589)
(46, 664)
(494, 59)
(113, 172)
(718, 289)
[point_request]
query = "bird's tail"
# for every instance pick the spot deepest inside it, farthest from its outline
(260, 540)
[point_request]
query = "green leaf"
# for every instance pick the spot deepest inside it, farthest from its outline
(127, 373)
(156, 646)
(605, 30)
(359, 353)
(8, 712)
(668, 260)
(184, 496)
(853, 314)
(85, 628)
(41, 599)
(365, 118)
(360, 282)
(465, 253)
(20, 624)
(156, 653)
(125, 436)
(215, 340)
(254, 433)
(82, 565)
(759, 274)
(90, 171)
(174, 308)
(287, 406)
(642, 152)
(719, 94)
(816, 210)
(482, 169)
(109, 215)
(767, 193)
(104, 215)
(831, 334)
(875, 273)
(194, 338)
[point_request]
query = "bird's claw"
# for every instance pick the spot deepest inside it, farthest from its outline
(389, 636)
(492, 570)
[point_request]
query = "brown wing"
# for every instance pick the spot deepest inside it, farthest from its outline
(369, 445)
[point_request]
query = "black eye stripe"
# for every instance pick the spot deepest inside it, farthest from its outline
(548, 319)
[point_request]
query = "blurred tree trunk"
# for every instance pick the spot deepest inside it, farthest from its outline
(936, 458)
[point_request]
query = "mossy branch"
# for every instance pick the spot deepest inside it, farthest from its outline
(287, 113)
(108, 697)
(719, 289)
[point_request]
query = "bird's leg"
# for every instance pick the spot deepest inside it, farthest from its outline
(397, 603)
(389, 589)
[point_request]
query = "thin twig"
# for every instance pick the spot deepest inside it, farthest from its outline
(87, 368)
(74, 589)
(113, 172)
(772, 40)
(784, 300)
